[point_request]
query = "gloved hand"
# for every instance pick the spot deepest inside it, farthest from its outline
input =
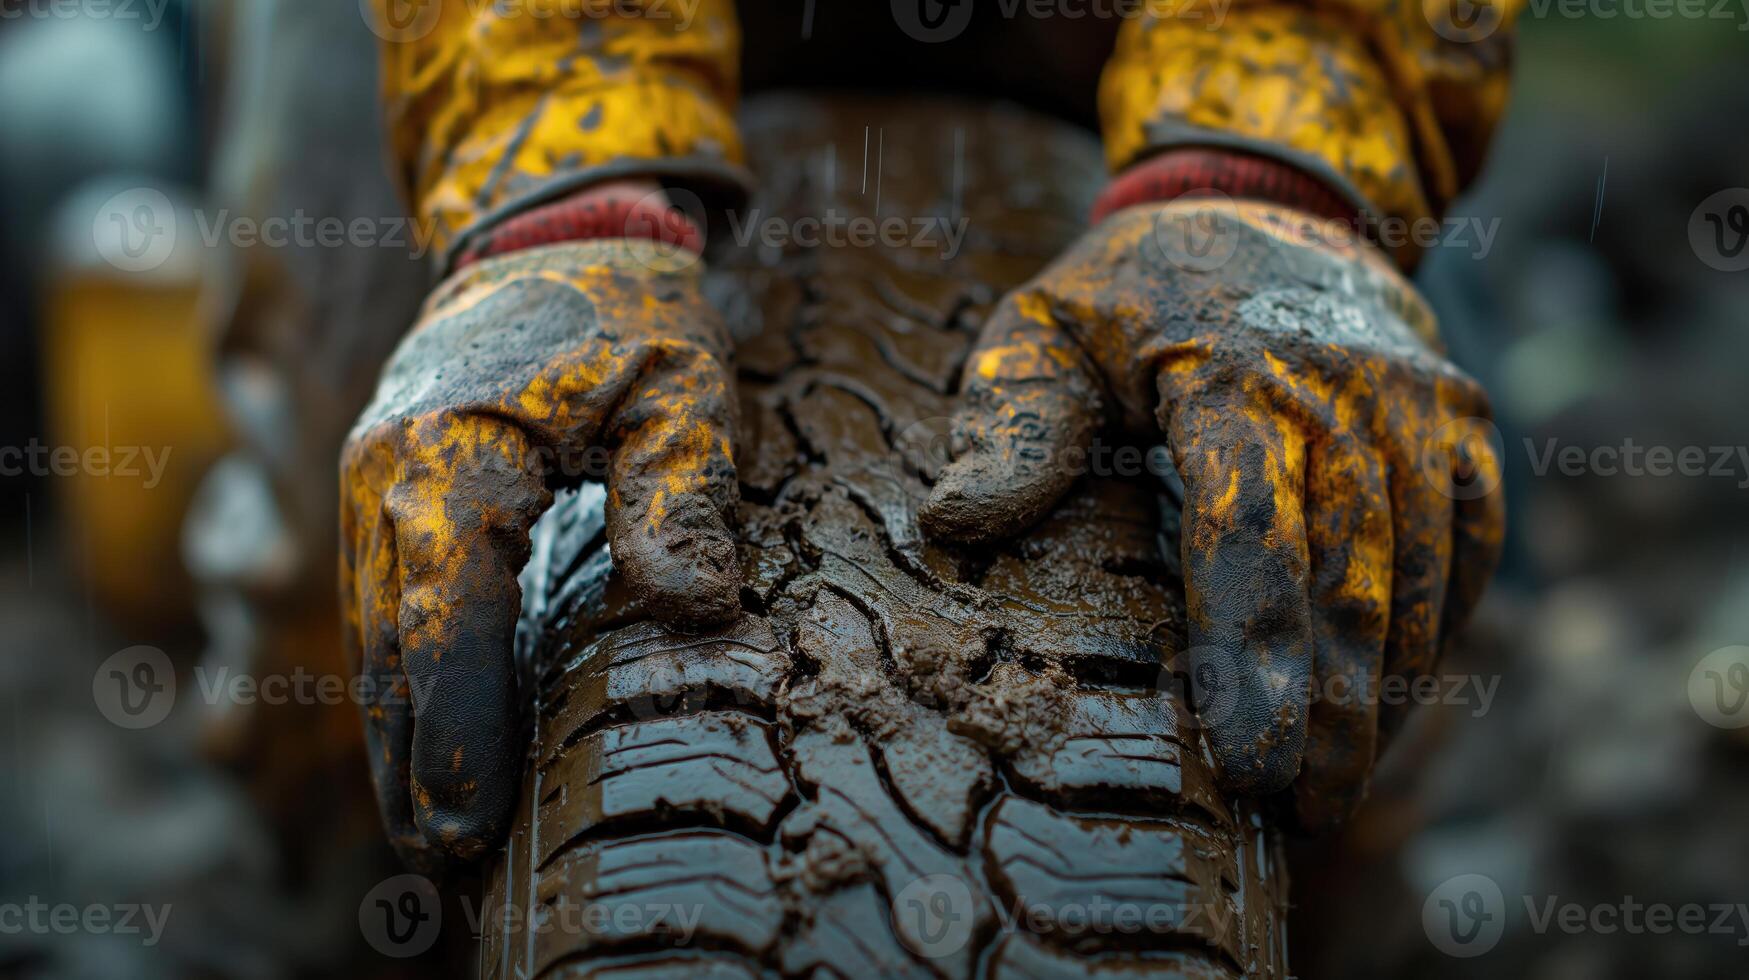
(520, 366)
(1300, 390)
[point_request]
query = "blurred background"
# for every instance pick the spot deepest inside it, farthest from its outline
(176, 391)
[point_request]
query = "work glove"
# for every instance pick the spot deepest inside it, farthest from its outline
(1332, 534)
(523, 369)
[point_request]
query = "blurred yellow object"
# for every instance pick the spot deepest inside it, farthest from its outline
(132, 418)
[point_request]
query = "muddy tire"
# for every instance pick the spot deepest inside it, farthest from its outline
(906, 759)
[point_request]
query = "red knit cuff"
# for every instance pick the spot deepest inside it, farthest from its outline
(583, 216)
(1200, 172)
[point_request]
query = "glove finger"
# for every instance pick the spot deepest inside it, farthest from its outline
(1478, 522)
(1245, 577)
(1478, 519)
(462, 511)
(370, 598)
(1421, 527)
(672, 490)
(1348, 537)
(1028, 406)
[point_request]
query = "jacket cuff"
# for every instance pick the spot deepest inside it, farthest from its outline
(1296, 85)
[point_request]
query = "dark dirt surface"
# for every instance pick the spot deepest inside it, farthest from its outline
(906, 759)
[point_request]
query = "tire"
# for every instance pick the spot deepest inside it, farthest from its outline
(905, 760)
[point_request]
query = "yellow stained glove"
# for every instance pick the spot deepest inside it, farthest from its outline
(1300, 390)
(520, 366)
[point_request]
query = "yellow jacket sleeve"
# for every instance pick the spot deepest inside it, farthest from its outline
(1391, 101)
(494, 107)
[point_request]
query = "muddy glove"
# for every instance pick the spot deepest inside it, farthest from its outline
(522, 369)
(1300, 390)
